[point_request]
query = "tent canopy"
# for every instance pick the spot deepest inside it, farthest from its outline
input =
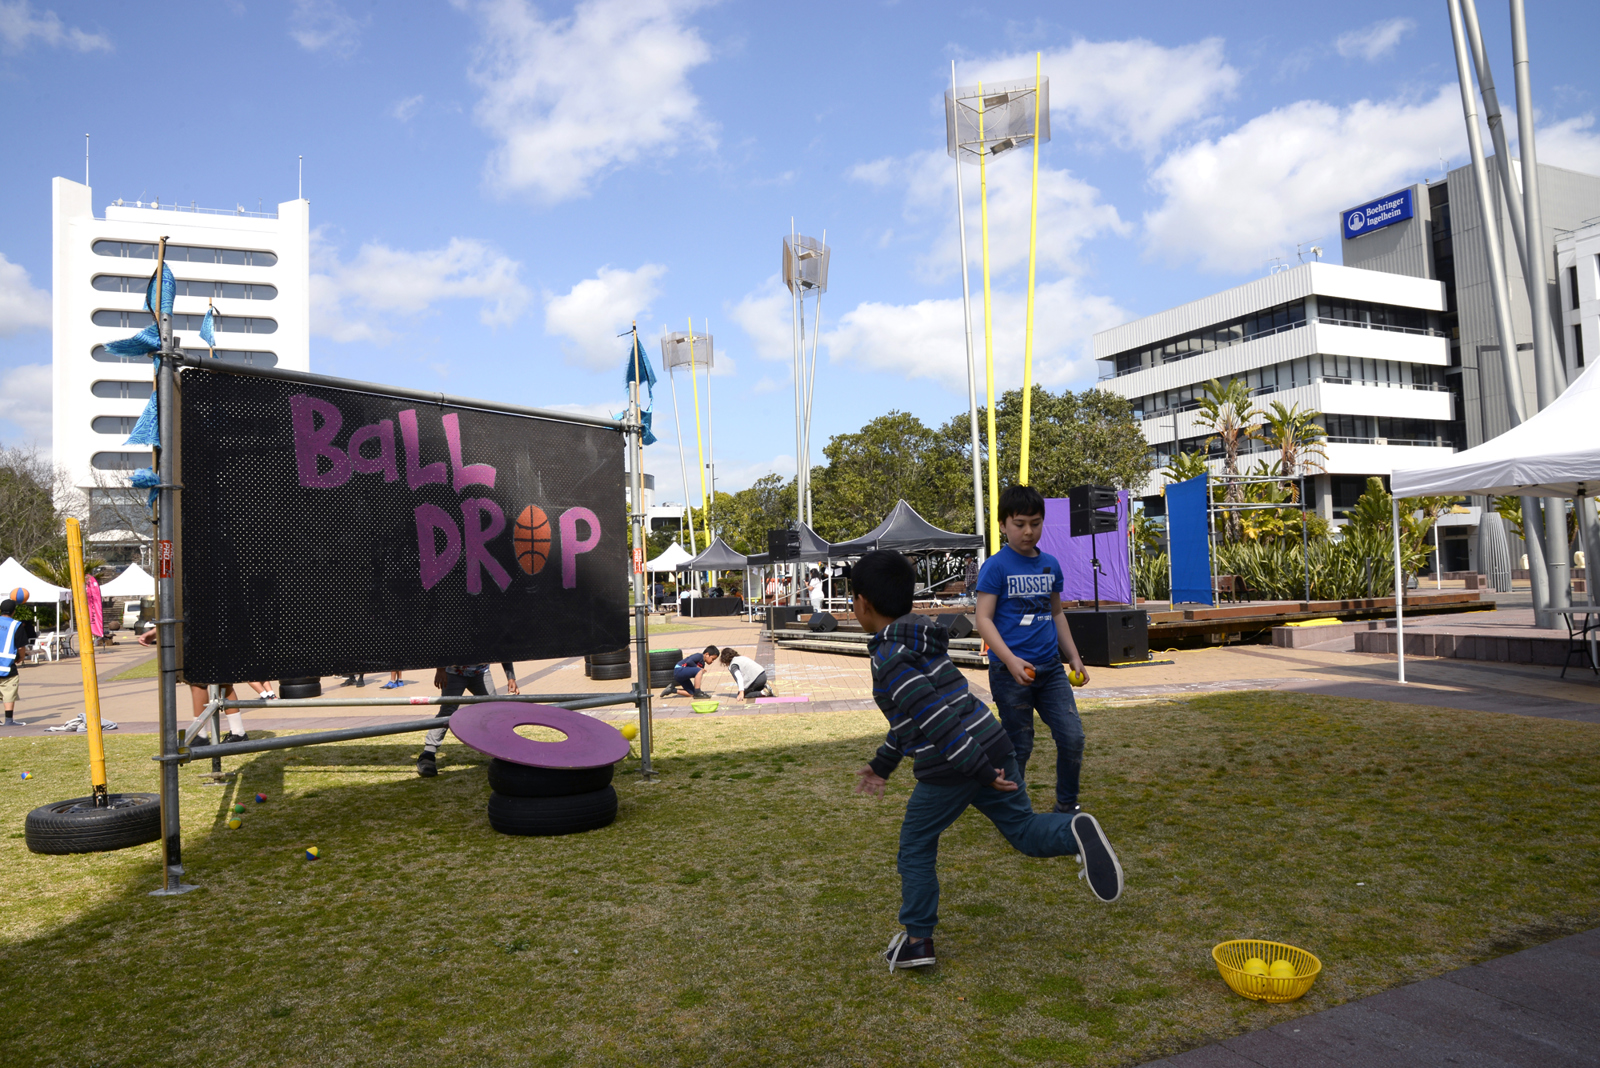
(13, 574)
(905, 532)
(813, 546)
(1554, 454)
(134, 582)
(669, 560)
(716, 557)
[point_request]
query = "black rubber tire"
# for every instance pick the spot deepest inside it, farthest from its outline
(961, 626)
(823, 623)
(546, 816)
(588, 669)
(77, 826)
(611, 671)
(616, 656)
(520, 780)
(300, 687)
(660, 679)
(665, 659)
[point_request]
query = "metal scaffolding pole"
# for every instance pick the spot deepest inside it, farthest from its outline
(641, 599)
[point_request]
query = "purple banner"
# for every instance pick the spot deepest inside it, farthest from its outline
(1075, 554)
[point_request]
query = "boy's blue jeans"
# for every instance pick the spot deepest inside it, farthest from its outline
(1051, 695)
(934, 807)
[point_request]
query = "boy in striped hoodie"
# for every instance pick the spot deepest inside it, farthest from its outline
(960, 756)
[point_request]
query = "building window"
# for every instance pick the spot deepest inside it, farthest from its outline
(114, 424)
(1572, 287)
(115, 390)
(1577, 345)
(119, 461)
(121, 283)
(234, 324)
(135, 250)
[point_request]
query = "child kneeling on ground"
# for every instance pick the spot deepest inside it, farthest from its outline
(688, 672)
(749, 676)
(960, 756)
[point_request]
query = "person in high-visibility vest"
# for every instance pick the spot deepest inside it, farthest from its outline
(15, 636)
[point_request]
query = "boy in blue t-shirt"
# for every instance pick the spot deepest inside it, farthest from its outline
(1020, 616)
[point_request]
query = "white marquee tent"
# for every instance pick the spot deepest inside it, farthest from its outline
(669, 560)
(134, 582)
(13, 574)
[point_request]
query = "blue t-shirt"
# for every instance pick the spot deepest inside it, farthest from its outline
(1023, 585)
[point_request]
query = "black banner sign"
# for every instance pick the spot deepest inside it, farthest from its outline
(327, 532)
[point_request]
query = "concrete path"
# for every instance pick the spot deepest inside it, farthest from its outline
(1539, 1008)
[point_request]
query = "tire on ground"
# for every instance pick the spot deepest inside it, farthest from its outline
(300, 687)
(553, 815)
(519, 780)
(660, 679)
(665, 659)
(611, 671)
(77, 826)
(615, 656)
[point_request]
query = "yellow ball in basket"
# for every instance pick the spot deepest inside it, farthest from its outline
(1281, 969)
(629, 731)
(1256, 966)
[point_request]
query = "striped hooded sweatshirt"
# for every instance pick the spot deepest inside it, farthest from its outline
(950, 736)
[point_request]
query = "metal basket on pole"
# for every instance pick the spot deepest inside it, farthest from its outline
(981, 123)
(692, 350)
(805, 272)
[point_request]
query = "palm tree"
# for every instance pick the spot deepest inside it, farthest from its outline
(1300, 442)
(1184, 466)
(1230, 414)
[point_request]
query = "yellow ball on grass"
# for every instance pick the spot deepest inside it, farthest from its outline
(629, 731)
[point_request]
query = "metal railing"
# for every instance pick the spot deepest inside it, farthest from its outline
(1431, 443)
(156, 205)
(1359, 324)
(1337, 380)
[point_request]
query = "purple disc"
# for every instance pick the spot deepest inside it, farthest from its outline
(492, 729)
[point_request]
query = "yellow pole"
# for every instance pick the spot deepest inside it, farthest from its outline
(705, 514)
(1033, 249)
(988, 335)
(91, 682)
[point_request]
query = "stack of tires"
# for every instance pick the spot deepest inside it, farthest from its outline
(616, 664)
(662, 661)
(550, 801)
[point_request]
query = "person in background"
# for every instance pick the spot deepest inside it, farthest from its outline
(688, 672)
(749, 676)
(15, 636)
(200, 695)
(814, 587)
(453, 681)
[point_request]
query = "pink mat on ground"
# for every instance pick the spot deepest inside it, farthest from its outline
(783, 700)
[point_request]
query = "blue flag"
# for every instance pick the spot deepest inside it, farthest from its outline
(146, 431)
(639, 368)
(169, 291)
(206, 332)
(143, 343)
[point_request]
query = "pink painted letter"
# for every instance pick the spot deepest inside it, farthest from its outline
(478, 534)
(472, 474)
(571, 546)
(383, 433)
(435, 564)
(312, 443)
(418, 476)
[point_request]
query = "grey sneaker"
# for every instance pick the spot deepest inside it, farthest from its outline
(427, 765)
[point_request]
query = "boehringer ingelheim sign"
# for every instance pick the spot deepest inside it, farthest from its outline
(1385, 211)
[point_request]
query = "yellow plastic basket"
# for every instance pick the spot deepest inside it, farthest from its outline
(704, 707)
(1230, 958)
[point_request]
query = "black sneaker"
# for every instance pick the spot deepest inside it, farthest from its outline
(232, 737)
(427, 765)
(202, 740)
(670, 691)
(1068, 810)
(1099, 865)
(904, 953)
(701, 695)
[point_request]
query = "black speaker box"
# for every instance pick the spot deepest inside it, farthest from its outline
(822, 622)
(1113, 636)
(783, 544)
(783, 615)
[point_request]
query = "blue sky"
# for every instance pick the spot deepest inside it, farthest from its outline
(498, 187)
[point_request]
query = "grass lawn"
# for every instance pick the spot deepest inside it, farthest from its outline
(733, 914)
(146, 669)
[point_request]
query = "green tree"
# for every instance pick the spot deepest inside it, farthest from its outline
(1184, 466)
(29, 488)
(1299, 439)
(1088, 438)
(1231, 416)
(894, 456)
(767, 504)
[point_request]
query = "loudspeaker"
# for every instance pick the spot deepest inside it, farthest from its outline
(960, 626)
(783, 544)
(1087, 517)
(1117, 636)
(822, 622)
(782, 615)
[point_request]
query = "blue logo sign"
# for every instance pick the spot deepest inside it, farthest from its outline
(1385, 211)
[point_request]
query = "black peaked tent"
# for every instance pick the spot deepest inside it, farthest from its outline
(813, 546)
(905, 532)
(716, 557)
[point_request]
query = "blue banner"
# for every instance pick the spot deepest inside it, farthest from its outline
(1188, 541)
(1385, 211)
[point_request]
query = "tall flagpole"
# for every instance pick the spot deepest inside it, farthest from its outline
(966, 306)
(705, 519)
(988, 335)
(1033, 249)
(711, 450)
(683, 465)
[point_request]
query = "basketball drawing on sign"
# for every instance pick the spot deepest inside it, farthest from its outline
(532, 539)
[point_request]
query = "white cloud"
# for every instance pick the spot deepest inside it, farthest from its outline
(1282, 177)
(19, 24)
(323, 26)
(1135, 94)
(27, 392)
(928, 339)
(22, 307)
(592, 313)
(405, 109)
(572, 98)
(1571, 143)
(766, 315)
(1372, 43)
(355, 300)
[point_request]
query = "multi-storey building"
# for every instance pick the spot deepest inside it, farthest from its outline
(252, 266)
(1578, 267)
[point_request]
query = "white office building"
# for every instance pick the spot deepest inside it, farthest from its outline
(1578, 272)
(1362, 347)
(252, 266)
